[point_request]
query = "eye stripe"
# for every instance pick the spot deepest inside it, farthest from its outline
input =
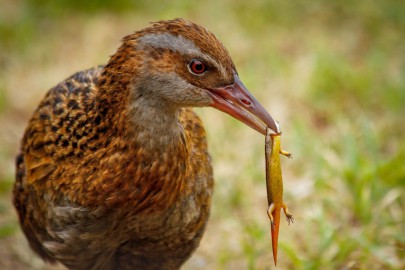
(179, 44)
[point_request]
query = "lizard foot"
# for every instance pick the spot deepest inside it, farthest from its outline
(288, 215)
(290, 219)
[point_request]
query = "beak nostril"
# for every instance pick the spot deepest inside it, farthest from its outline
(246, 102)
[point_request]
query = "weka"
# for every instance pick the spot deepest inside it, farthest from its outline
(113, 170)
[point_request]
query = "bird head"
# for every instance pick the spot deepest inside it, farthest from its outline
(184, 65)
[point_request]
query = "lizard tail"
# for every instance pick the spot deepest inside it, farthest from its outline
(274, 232)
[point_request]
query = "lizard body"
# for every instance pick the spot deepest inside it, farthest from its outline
(274, 184)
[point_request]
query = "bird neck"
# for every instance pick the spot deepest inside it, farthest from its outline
(154, 123)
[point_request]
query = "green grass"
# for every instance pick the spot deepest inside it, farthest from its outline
(332, 73)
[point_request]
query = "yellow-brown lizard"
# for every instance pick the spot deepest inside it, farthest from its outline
(274, 184)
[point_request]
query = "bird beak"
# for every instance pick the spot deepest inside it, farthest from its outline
(236, 101)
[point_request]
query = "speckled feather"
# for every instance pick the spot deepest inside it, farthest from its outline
(111, 177)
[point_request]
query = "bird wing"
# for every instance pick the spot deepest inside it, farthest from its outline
(45, 149)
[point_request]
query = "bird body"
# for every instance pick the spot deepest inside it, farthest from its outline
(113, 170)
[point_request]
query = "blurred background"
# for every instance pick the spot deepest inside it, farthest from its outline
(331, 72)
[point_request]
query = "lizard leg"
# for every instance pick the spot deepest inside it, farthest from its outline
(285, 153)
(288, 215)
(270, 213)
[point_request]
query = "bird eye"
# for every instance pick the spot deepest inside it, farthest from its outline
(197, 67)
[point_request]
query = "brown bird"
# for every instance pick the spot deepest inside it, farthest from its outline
(113, 170)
